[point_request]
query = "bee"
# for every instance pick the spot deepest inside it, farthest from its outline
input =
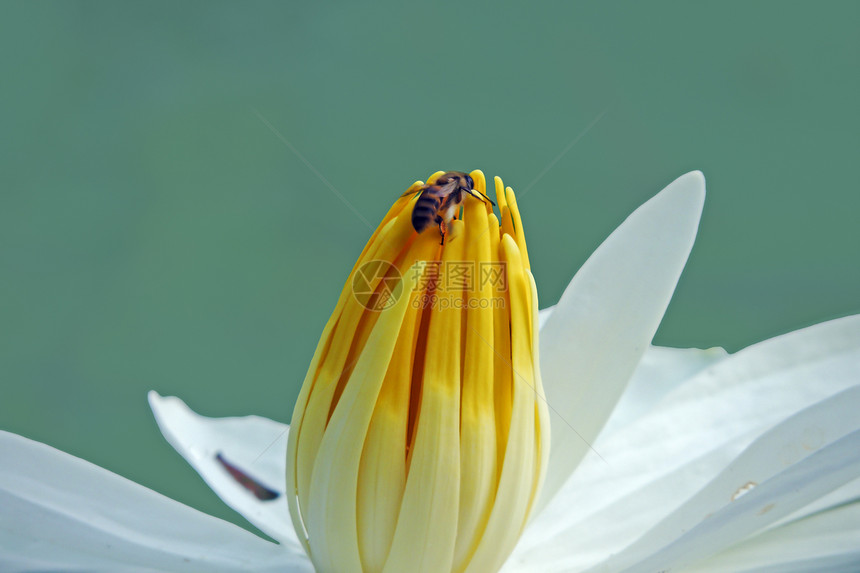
(440, 202)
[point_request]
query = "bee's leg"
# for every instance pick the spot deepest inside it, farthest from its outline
(443, 228)
(477, 194)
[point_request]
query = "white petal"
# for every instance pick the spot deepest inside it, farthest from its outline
(652, 465)
(793, 464)
(543, 316)
(826, 541)
(607, 316)
(660, 371)
(58, 512)
(848, 493)
(256, 445)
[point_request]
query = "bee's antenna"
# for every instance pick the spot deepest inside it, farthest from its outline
(477, 194)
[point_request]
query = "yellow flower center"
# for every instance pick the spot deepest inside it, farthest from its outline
(420, 437)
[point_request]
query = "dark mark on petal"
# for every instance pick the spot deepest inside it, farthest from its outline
(260, 491)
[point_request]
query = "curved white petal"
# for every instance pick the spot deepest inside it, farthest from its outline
(61, 513)
(826, 541)
(607, 316)
(793, 464)
(255, 445)
(660, 371)
(543, 316)
(847, 494)
(657, 462)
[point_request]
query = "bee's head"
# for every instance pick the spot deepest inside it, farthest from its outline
(468, 180)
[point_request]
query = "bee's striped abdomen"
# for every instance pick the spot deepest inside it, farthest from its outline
(424, 212)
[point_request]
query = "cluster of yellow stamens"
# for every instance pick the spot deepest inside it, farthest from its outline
(420, 438)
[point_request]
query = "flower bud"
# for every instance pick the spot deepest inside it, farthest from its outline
(420, 437)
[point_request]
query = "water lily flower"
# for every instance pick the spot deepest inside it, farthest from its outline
(661, 459)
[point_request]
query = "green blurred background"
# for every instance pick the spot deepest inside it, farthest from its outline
(155, 233)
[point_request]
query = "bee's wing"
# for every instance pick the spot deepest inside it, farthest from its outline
(435, 190)
(417, 190)
(446, 189)
(413, 192)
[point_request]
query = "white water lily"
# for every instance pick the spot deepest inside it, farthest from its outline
(698, 460)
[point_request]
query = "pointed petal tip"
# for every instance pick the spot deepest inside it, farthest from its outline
(684, 196)
(695, 174)
(167, 410)
(692, 183)
(157, 403)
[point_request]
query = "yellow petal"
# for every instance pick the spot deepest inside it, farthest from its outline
(477, 415)
(420, 436)
(517, 476)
